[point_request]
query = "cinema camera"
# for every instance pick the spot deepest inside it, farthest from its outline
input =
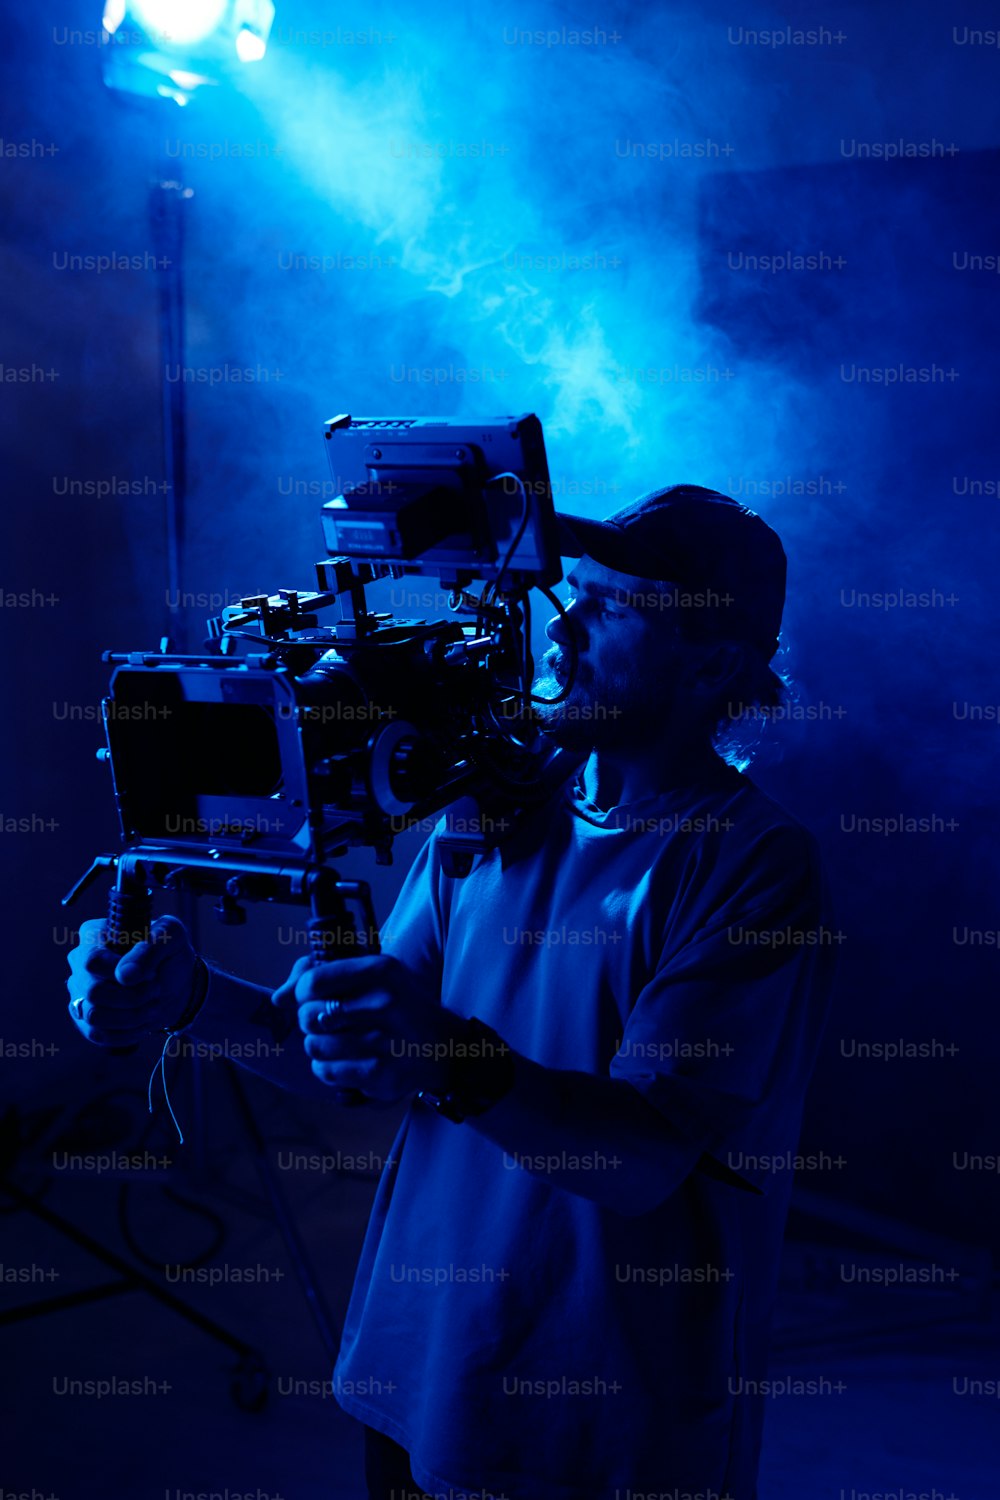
(244, 771)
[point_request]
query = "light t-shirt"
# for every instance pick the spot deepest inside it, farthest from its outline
(518, 1339)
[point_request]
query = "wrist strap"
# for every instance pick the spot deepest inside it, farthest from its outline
(199, 994)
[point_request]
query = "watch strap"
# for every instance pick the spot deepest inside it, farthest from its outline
(478, 1077)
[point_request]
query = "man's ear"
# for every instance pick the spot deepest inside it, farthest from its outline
(716, 665)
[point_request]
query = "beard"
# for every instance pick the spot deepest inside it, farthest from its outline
(611, 714)
(560, 722)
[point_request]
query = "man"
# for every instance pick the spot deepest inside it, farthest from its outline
(609, 1027)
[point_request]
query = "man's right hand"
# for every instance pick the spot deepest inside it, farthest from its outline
(126, 996)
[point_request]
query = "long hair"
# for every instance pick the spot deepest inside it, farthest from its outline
(761, 692)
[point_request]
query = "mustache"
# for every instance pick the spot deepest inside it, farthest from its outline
(555, 661)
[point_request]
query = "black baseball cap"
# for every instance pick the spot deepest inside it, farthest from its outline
(722, 556)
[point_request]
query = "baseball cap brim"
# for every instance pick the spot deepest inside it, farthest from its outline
(605, 542)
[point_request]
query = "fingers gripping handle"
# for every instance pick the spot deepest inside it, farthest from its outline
(327, 940)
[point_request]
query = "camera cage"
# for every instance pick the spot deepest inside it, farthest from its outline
(245, 775)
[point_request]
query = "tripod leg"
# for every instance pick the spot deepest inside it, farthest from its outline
(133, 1279)
(286, 1224)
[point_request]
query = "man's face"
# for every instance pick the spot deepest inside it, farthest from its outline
(628, 661)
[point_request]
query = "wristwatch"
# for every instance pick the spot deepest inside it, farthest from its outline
(478, 1078)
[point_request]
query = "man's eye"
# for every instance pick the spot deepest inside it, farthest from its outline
(602, 606)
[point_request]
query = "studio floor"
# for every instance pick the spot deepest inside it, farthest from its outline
(895, 1417)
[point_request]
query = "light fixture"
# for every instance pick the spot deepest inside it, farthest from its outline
(171, 48)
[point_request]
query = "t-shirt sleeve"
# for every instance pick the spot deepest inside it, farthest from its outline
(414, 931)
(723, 1038)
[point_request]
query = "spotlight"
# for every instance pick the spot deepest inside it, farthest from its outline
(170, 48)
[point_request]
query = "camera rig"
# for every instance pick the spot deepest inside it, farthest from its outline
(244, 771)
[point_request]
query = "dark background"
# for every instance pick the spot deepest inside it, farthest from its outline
(663, 359)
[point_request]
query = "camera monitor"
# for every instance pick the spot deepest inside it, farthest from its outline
(447, 499)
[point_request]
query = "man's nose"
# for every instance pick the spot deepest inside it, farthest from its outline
(566, 631)
(558, 630)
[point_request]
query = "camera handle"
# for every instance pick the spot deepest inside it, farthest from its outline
(130, 912)
(333, 934)
(333, 931)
